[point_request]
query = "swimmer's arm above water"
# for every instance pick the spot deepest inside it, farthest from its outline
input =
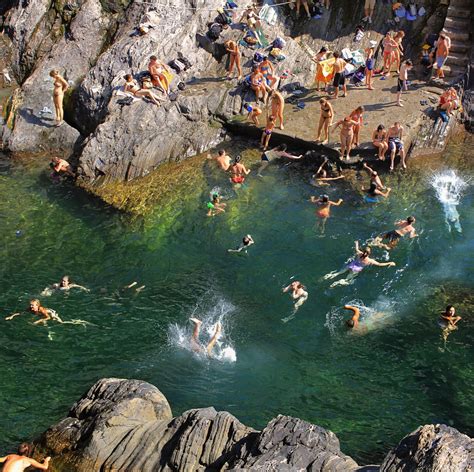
(291, 156)
(79, 287)
(8, 318)
(382, 264)
(336, 203)
(357, 250)
(329, 178)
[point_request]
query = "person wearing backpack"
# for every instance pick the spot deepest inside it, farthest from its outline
(234, 58)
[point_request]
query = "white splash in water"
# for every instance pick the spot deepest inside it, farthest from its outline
(371, 318)
(210, 311)
(449, 187)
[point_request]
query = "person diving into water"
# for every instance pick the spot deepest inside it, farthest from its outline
(196, 345)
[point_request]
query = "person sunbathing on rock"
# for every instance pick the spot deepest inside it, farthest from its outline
(196, 345)
(132, 87)
(19, 462)
(158, 72)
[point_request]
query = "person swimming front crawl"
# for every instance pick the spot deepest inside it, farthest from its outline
(36, 308)
(354, 321)
(358, 264)
(196, 344)
(393, 237)
(246, 242)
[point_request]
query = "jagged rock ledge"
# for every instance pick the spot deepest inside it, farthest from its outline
(127, 425)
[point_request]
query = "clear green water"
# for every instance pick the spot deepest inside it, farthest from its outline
(369, 389)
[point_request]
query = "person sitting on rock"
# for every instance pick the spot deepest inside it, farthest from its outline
(257, 83)
(61, 166)
(19, 462)
(132, 87)
(157, 71)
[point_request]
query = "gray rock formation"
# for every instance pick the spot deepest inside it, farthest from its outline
(434, 448)
(126, 425)
(72, 55)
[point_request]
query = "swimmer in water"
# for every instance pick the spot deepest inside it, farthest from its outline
(404, 227)
(358, 264)
(324, 208)
(21, 461)
(222, 160)
(65, 285)
(321, 177)
(298, 293)
(196, 344)
(246, 242)
(268, 156)
(373, 194)
(374, 177)
(239, 171)
(215, 206)
(448, 322)
(354, 321)
(36, 308)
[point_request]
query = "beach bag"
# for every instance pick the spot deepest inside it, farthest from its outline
(232, 5)
(223, 18)
(346, 54)
(125, 101)
(177, 65)
(257, 58)
(275, 52)
(215, 31)
(400, 12)
(421, 11)
(251, 38)
(279, 43)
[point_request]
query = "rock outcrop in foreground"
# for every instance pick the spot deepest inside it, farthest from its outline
(127, 425)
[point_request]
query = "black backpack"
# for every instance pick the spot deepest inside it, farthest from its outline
(184, 60)
(215, 31)
(177, 65)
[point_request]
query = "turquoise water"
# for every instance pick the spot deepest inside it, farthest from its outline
(370, 389)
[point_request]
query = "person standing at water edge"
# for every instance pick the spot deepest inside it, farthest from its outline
(19, 462)
(298, 293)
(60, 87)
(395, 143)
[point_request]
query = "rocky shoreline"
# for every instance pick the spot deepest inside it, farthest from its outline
(127, 425)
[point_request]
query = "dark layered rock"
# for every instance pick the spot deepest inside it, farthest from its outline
(126, 425)
(434, 448)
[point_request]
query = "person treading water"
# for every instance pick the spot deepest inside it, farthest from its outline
(355, 266)
(65, 285)
(448, 321)
(196, 344)
(21, 461)
(298, 293)
(246, 242)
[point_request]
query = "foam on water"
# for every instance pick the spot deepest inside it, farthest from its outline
(449, 187)
(371, 318)
(212, 308)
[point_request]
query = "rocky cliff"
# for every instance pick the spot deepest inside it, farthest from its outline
(127, 425)
(93, 44)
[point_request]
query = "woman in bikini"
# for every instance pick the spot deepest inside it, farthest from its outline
(267, 132)
(398, 51)
(325, 120)
(358, 264)
(238, 171)
(257, 84)
(234, 58)
(324, 208)
(356, 116)
(60, 87)
(278, 105)
(132, 87)
(267, 70)
(379, 140)
(389, 46)
(347, 134)
(373, 193)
